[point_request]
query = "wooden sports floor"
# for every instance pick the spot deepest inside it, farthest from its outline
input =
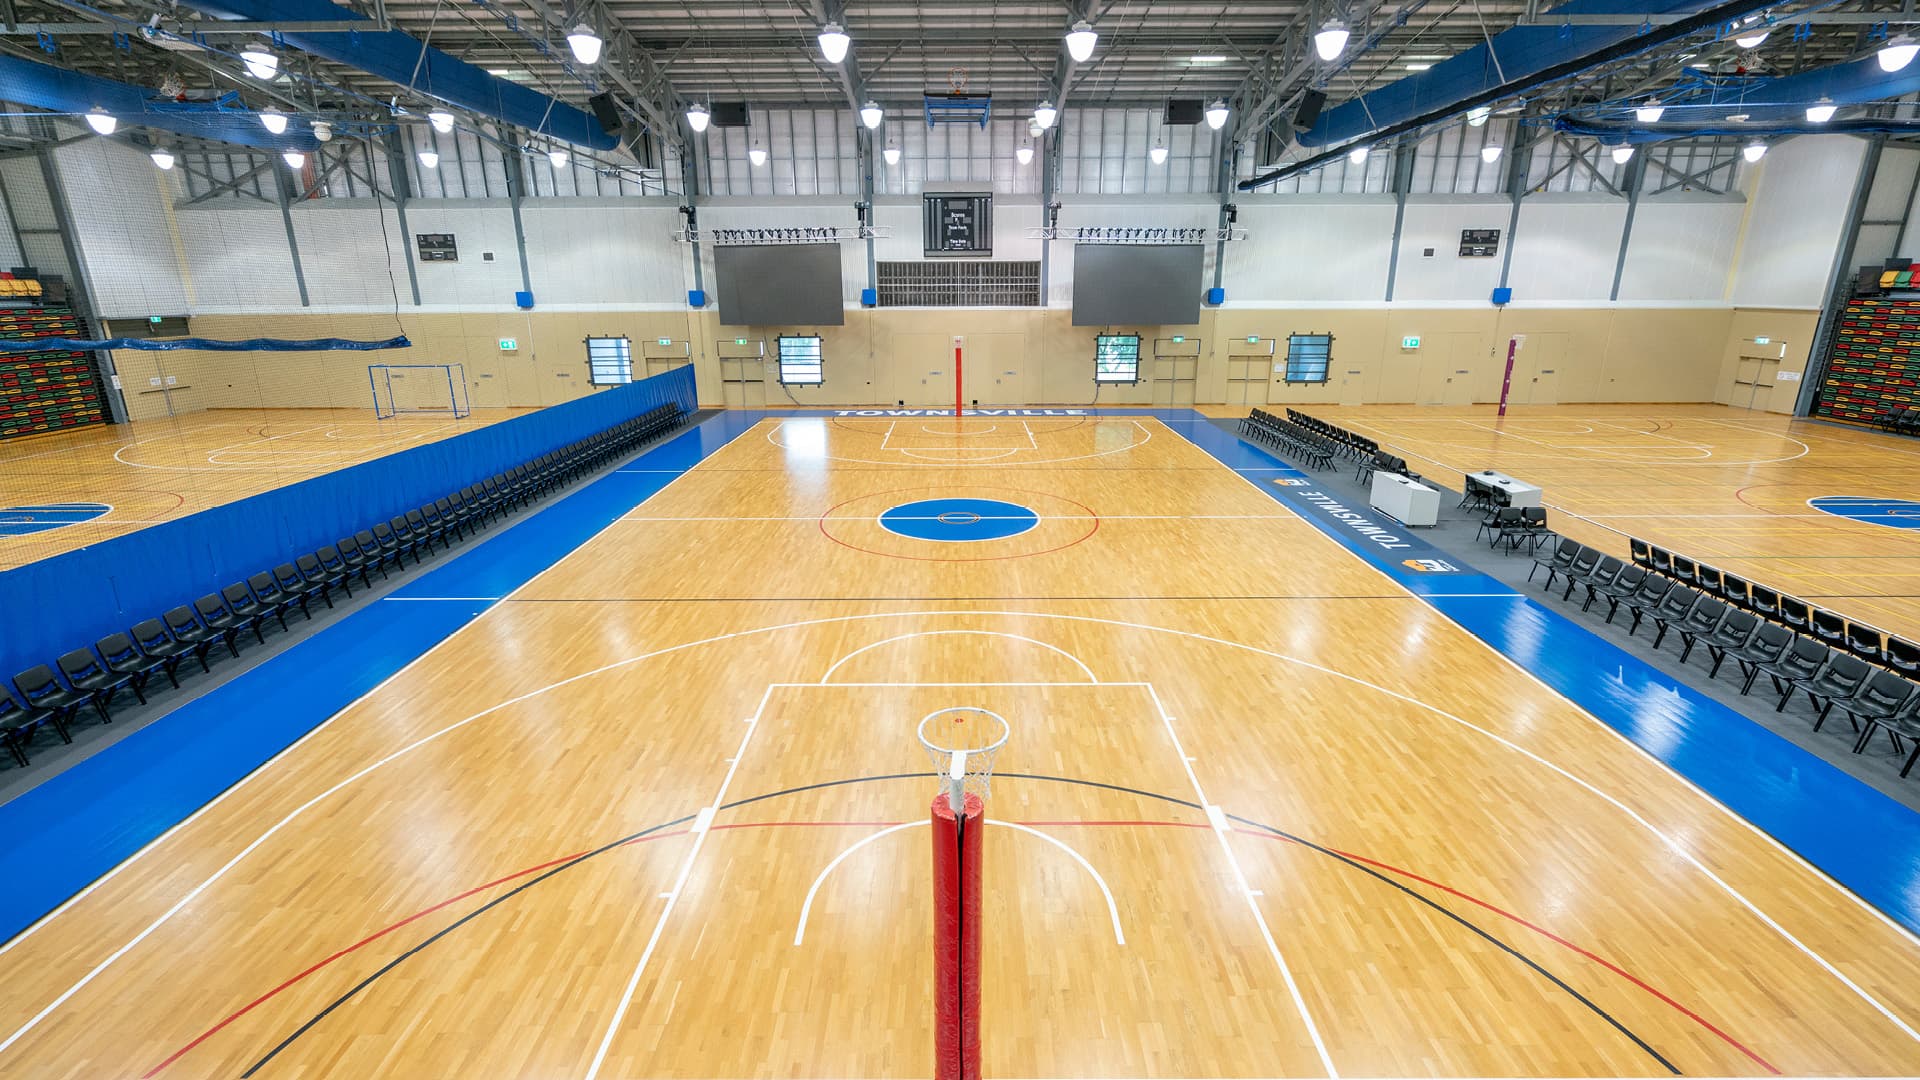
(1726, 486)
(659, 814)
(152, 471)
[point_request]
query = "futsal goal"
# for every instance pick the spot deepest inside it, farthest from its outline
(439, 389)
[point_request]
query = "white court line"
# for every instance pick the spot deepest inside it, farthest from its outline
(298, 811)
(780, 423)
(835, 666)
(679, 884)
(812, 518)
(1246, 889)
(424, 599)
(1113, 909)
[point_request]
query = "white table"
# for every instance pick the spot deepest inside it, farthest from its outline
(1518, 492)
(1406, 501)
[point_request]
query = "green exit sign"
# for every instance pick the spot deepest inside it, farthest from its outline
(1763, 341)
(1412, 341)
(665, 340)
(154, 319)
(1253, 339)
(739, 341)
(1178, 338)
(507, 344)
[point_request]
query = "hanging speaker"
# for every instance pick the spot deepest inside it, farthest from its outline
(1309, 110)
(728, 113)
(605, 111)
(1184, 111)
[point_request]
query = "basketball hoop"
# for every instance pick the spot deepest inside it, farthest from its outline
(961, 743)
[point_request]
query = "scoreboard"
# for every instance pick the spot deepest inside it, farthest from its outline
(957, 223)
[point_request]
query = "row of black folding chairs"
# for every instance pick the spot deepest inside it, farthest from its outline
(1868, 642)
(1316, 450)
(1880, 698)
(1353, 445)
(1514, 526)
(1902, 421)
(126, 662)
(1381, 461)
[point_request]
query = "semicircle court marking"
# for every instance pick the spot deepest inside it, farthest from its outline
(1887, 513)
(27, 519)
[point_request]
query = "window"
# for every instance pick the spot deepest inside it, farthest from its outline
(1116, 358)
(1308, 356)
(609, 361)
(800, 361)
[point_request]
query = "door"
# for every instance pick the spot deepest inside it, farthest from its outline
(1541, 358)
(1465, 355)
(486, 389)
(1350, 385)
(664, 354)
(1247, 379)
(743, 372)
(994, 369)
(920, 371)
(1176, 366)
(1753, 380)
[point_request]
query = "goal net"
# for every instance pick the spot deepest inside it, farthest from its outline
(439, 389)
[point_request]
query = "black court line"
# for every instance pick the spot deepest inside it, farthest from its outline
(1307, 844)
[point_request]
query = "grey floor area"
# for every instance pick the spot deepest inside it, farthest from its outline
(1878, 766)
(50, 757)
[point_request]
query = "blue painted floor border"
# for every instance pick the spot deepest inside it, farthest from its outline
(1865, 841)
(58, 837)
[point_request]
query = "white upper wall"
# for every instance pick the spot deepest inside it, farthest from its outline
(149, 252)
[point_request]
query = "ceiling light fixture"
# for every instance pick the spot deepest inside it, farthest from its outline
(757, 154)
(1159, 152)
(273, 120)
(1080, 41)
(558, 157)
(586, 44)
(1023, 153)
(1490, 154)
(697, 117)
(1650, 111)
(322, 131)
(871, 114)
(102, 121)
(892, 154)
(1211, 58)
(162, 157)
(442, 121)
(262, 63)
(1753, 151)
(1753, 40)
(1477, 115)
(1622, 154)
(1331, 41)
(430, 158)
(1045, 114)
(1821, 111)
(1217, 114)
(1897, 53)
(834, 42)
(294, 159)
(1358, 155)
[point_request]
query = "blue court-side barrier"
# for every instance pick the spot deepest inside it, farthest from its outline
(73, 599)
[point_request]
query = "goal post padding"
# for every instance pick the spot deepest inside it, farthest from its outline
(956, 938)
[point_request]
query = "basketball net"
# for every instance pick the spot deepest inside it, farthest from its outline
(961, 743)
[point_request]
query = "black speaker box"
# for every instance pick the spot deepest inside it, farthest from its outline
(605, 111)
(1309, 110)
(1185, 111)
(728, 113)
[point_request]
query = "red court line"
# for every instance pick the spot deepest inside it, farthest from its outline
(370, 939)
(1550, 936)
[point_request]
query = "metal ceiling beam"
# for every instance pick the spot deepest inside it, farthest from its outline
(191, 29)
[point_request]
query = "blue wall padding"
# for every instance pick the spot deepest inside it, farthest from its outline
(73, 599)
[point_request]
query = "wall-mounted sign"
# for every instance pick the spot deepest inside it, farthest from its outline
(739, 341)
(1479, 243)
(437, 247)
(1756, 341)
(508, 344)
(1178, 338)
(1411, 341)
(664, 340)
(1253, 339)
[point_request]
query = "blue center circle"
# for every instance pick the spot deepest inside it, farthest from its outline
(958, 520)
(44, 517)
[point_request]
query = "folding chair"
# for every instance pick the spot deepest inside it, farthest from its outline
(87, 675)
(1556, 560)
